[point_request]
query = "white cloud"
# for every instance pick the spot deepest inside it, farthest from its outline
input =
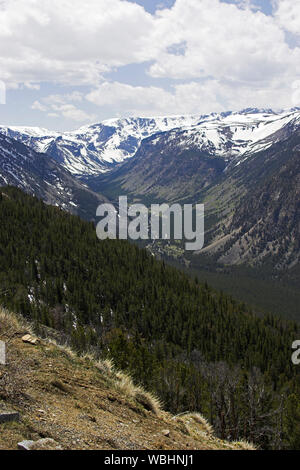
(38, 106)
(213, 55)
(223, 42)
(61, 105)
(69, 111)
(190, 98)
(132, 98)
(287, 15)
(239, 53)
(70, 41)
(246, 4)
(63, 98)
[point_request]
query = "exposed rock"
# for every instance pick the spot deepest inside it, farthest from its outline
(30, 339)
(41, 444)
(166, 433)
(25, 445)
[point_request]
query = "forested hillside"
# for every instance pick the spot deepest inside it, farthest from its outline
(198, 349)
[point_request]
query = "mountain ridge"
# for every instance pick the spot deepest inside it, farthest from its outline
(230, 160)
(98, 148)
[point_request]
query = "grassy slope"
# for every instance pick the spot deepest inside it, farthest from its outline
(82, 404)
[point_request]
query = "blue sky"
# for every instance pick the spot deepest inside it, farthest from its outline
(77, 62)
(152, 5)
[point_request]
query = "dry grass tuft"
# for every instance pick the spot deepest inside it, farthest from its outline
(124, 383)
(149, 401)
(195, 424)
(12, 324)
(244, 445)
(62, 347)
(106, 367)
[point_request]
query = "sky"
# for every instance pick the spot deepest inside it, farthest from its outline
(69, 63)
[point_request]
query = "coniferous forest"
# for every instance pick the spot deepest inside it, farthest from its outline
(196, 348)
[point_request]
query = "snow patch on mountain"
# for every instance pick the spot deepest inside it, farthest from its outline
(234, 136)
(97, 148)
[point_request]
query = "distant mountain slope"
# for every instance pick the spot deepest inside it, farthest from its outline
(40, 175)
(181, 163)
(243, 166)
(264, 223)
(96, 149)
(251, 208)
(251, 200)
(161, 170)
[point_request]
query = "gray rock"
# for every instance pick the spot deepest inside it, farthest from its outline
(2, 353)
(25, 445)
(7, 416)
(41, 444)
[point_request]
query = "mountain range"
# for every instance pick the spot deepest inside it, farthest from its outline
(243, 165)
(95, 149)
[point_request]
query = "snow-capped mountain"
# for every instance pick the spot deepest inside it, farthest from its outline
(235, 136)
(40, 175)
(181, 162)
(96, 149)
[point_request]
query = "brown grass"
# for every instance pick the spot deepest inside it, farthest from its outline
(123, 382)
(195, 424)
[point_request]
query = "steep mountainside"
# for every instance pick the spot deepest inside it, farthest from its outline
(264, 225)
(40, 175)
(84, 404)
(161, 170)
(197, 349)
(251, 208)
(252, 201)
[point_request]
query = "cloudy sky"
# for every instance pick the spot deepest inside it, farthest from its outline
(66, 63)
